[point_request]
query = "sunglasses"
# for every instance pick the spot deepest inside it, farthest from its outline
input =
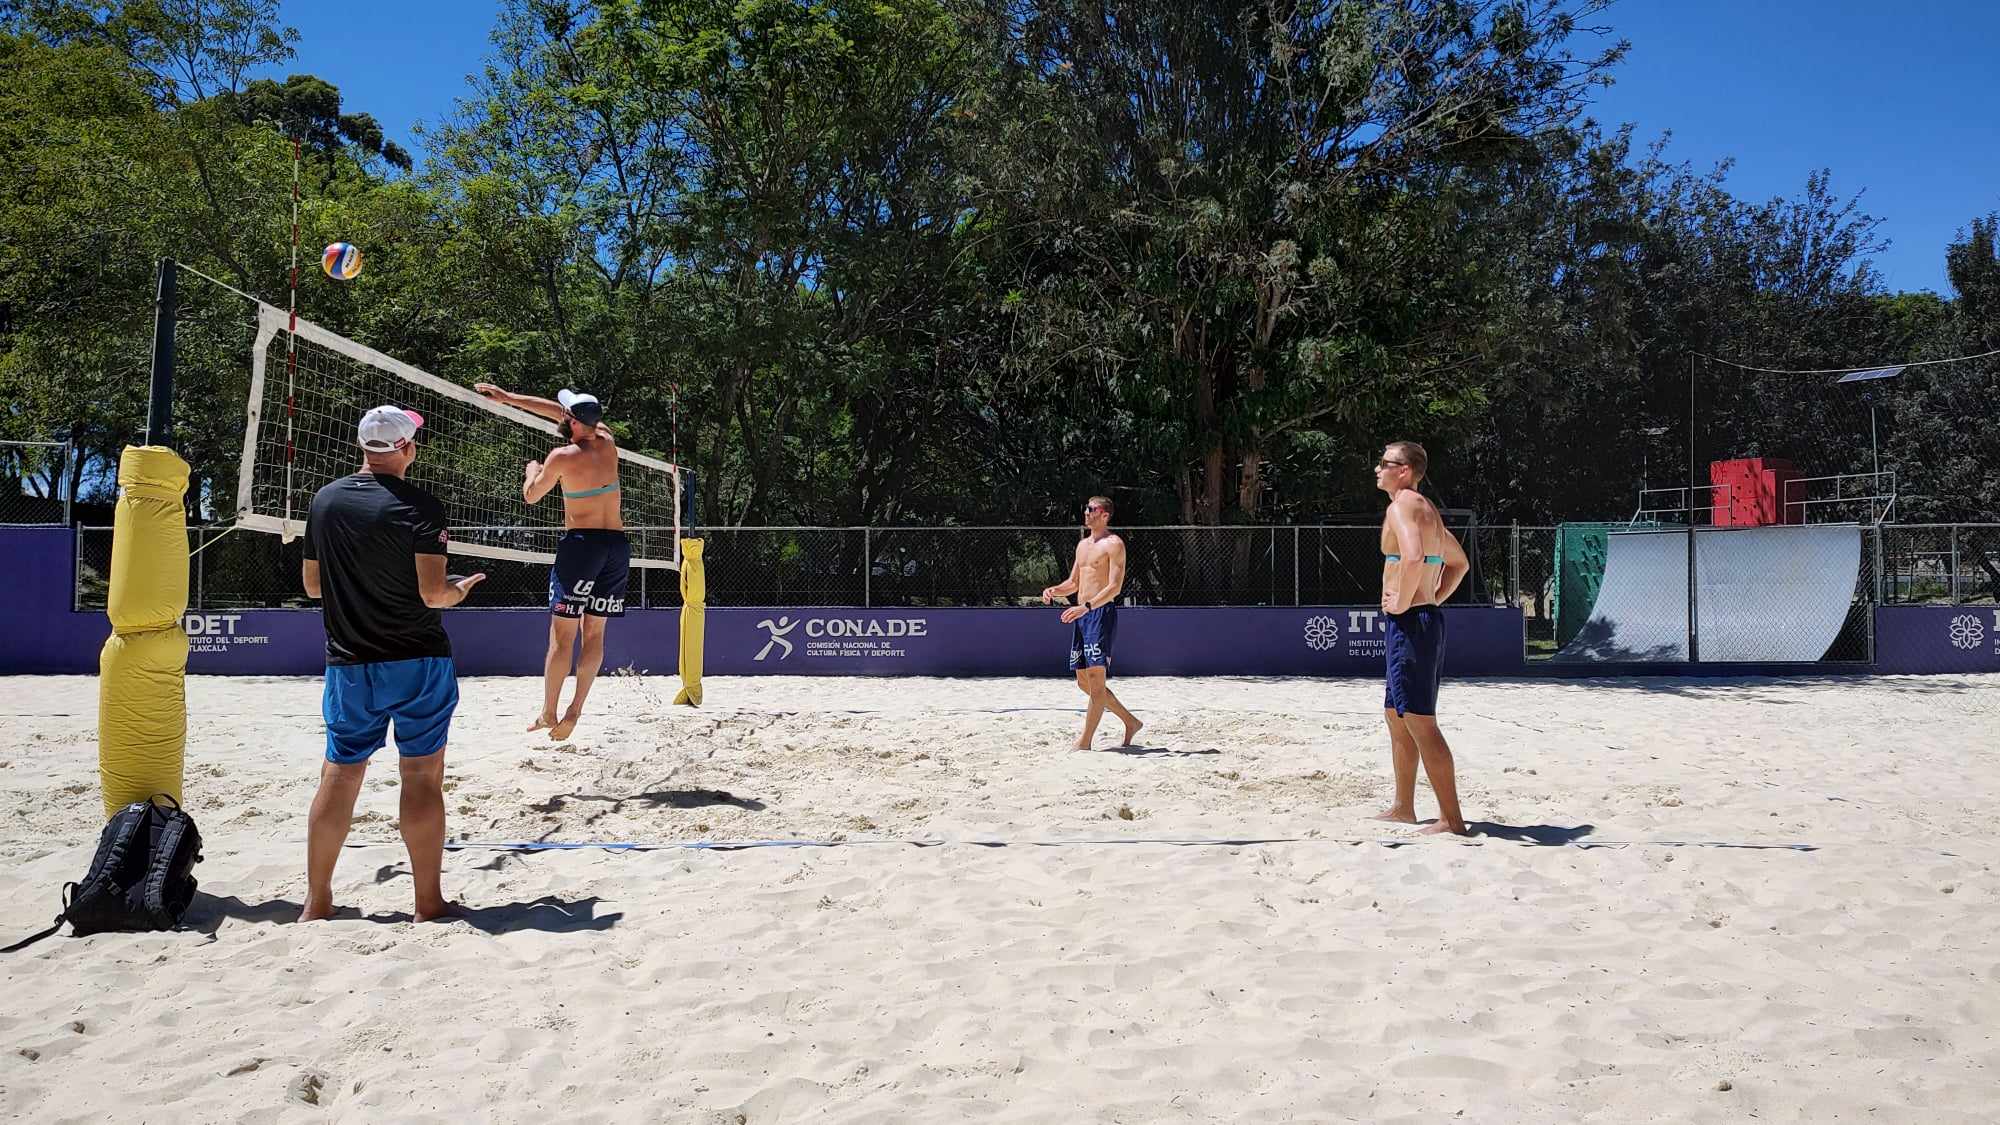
(1386, 463)
(1093, 507)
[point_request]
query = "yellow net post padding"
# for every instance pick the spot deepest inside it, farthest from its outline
(141, 690)
(694, 597)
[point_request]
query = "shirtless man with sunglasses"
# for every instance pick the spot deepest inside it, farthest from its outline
(1422, 564)
(1097, 577)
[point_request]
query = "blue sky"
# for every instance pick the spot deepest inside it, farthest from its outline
(405, 62)
(1895, 98)
(1899, 100)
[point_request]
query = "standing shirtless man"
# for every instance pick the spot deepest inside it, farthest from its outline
(1421, 565)
(1097, 577)
(593, 557)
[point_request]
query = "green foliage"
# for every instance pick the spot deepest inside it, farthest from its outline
(968, 260)
(308, 108)
(137, 147)
(1945, 443)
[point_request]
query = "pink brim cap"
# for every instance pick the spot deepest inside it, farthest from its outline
(415, 417)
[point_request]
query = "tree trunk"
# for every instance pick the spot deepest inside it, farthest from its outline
(1202, 497)
(1242, 543)
(77, 458)
(1202, 500)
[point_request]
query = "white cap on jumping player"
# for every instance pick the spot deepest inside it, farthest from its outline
(582, 406)
(385, 429)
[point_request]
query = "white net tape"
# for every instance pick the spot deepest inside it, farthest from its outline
(300, 434)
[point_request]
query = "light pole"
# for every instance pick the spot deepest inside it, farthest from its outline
(1868, 396)
(1874, 445)
(1645, 456)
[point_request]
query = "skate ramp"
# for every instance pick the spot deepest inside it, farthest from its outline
(1763, 594)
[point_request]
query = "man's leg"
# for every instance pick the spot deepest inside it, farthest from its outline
(1091, 680)
(589, 658)
(1403, 759)
(1439, 768)
(1107, 637)
(1131, 721)
(422, 815)
(326, 830)
(562, 642)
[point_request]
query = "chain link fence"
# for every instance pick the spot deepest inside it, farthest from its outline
(1514, 566)
(1976, 565)
(34, 482)
(1941, 564)
(884, 567)
(1855, 643)
(1532, 568)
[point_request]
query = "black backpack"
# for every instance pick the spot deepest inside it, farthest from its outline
(142, 877)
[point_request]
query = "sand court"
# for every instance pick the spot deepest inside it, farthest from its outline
(1065, 948)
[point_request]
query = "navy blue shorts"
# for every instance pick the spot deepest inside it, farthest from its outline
(591, 571)
(1091, 638)
(361, 700)
(1414, 653)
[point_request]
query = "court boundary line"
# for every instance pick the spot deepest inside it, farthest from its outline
(1058, 842)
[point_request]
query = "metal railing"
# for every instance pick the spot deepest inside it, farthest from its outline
(1879, 493)
(34, 482)
(1686, 507)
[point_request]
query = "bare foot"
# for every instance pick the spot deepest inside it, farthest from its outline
(546, 720)
(1132, 730)
(1400, 816)
(562, 730)
(438, 911)
(1079, 746)
(316, 911)
(1441, 828)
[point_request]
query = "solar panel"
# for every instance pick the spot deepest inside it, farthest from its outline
(1875, 373)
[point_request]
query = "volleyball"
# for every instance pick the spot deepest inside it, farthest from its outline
(341, 261)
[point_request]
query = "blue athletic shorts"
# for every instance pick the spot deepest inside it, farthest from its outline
(1091, 638)
(1414, 653)
(361, 700)
(592, 568)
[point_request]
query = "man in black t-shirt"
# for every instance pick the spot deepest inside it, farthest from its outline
(374, 556)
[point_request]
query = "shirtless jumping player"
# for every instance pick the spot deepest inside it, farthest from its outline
(593, 557)
(1097, 577)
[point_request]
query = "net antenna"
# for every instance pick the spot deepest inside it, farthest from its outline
(291, 345)
(299, 435)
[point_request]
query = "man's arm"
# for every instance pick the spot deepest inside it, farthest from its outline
(1400, 581)
(1456, 566)
(1068, 585)
(546, 407)
(438, 589)
(309, 570)
(538, 477)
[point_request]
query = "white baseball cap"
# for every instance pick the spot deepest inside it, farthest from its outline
(386, 429)
(583, 407)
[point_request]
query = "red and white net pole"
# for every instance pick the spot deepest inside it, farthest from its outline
(292, 337)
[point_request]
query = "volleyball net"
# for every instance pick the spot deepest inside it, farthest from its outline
(308, 390)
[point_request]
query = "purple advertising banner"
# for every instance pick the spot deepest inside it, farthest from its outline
(40, 634)
(824, 642)
(1921, 639)
(1151, 641)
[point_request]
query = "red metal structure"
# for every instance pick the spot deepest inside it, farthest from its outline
(1750, 492)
